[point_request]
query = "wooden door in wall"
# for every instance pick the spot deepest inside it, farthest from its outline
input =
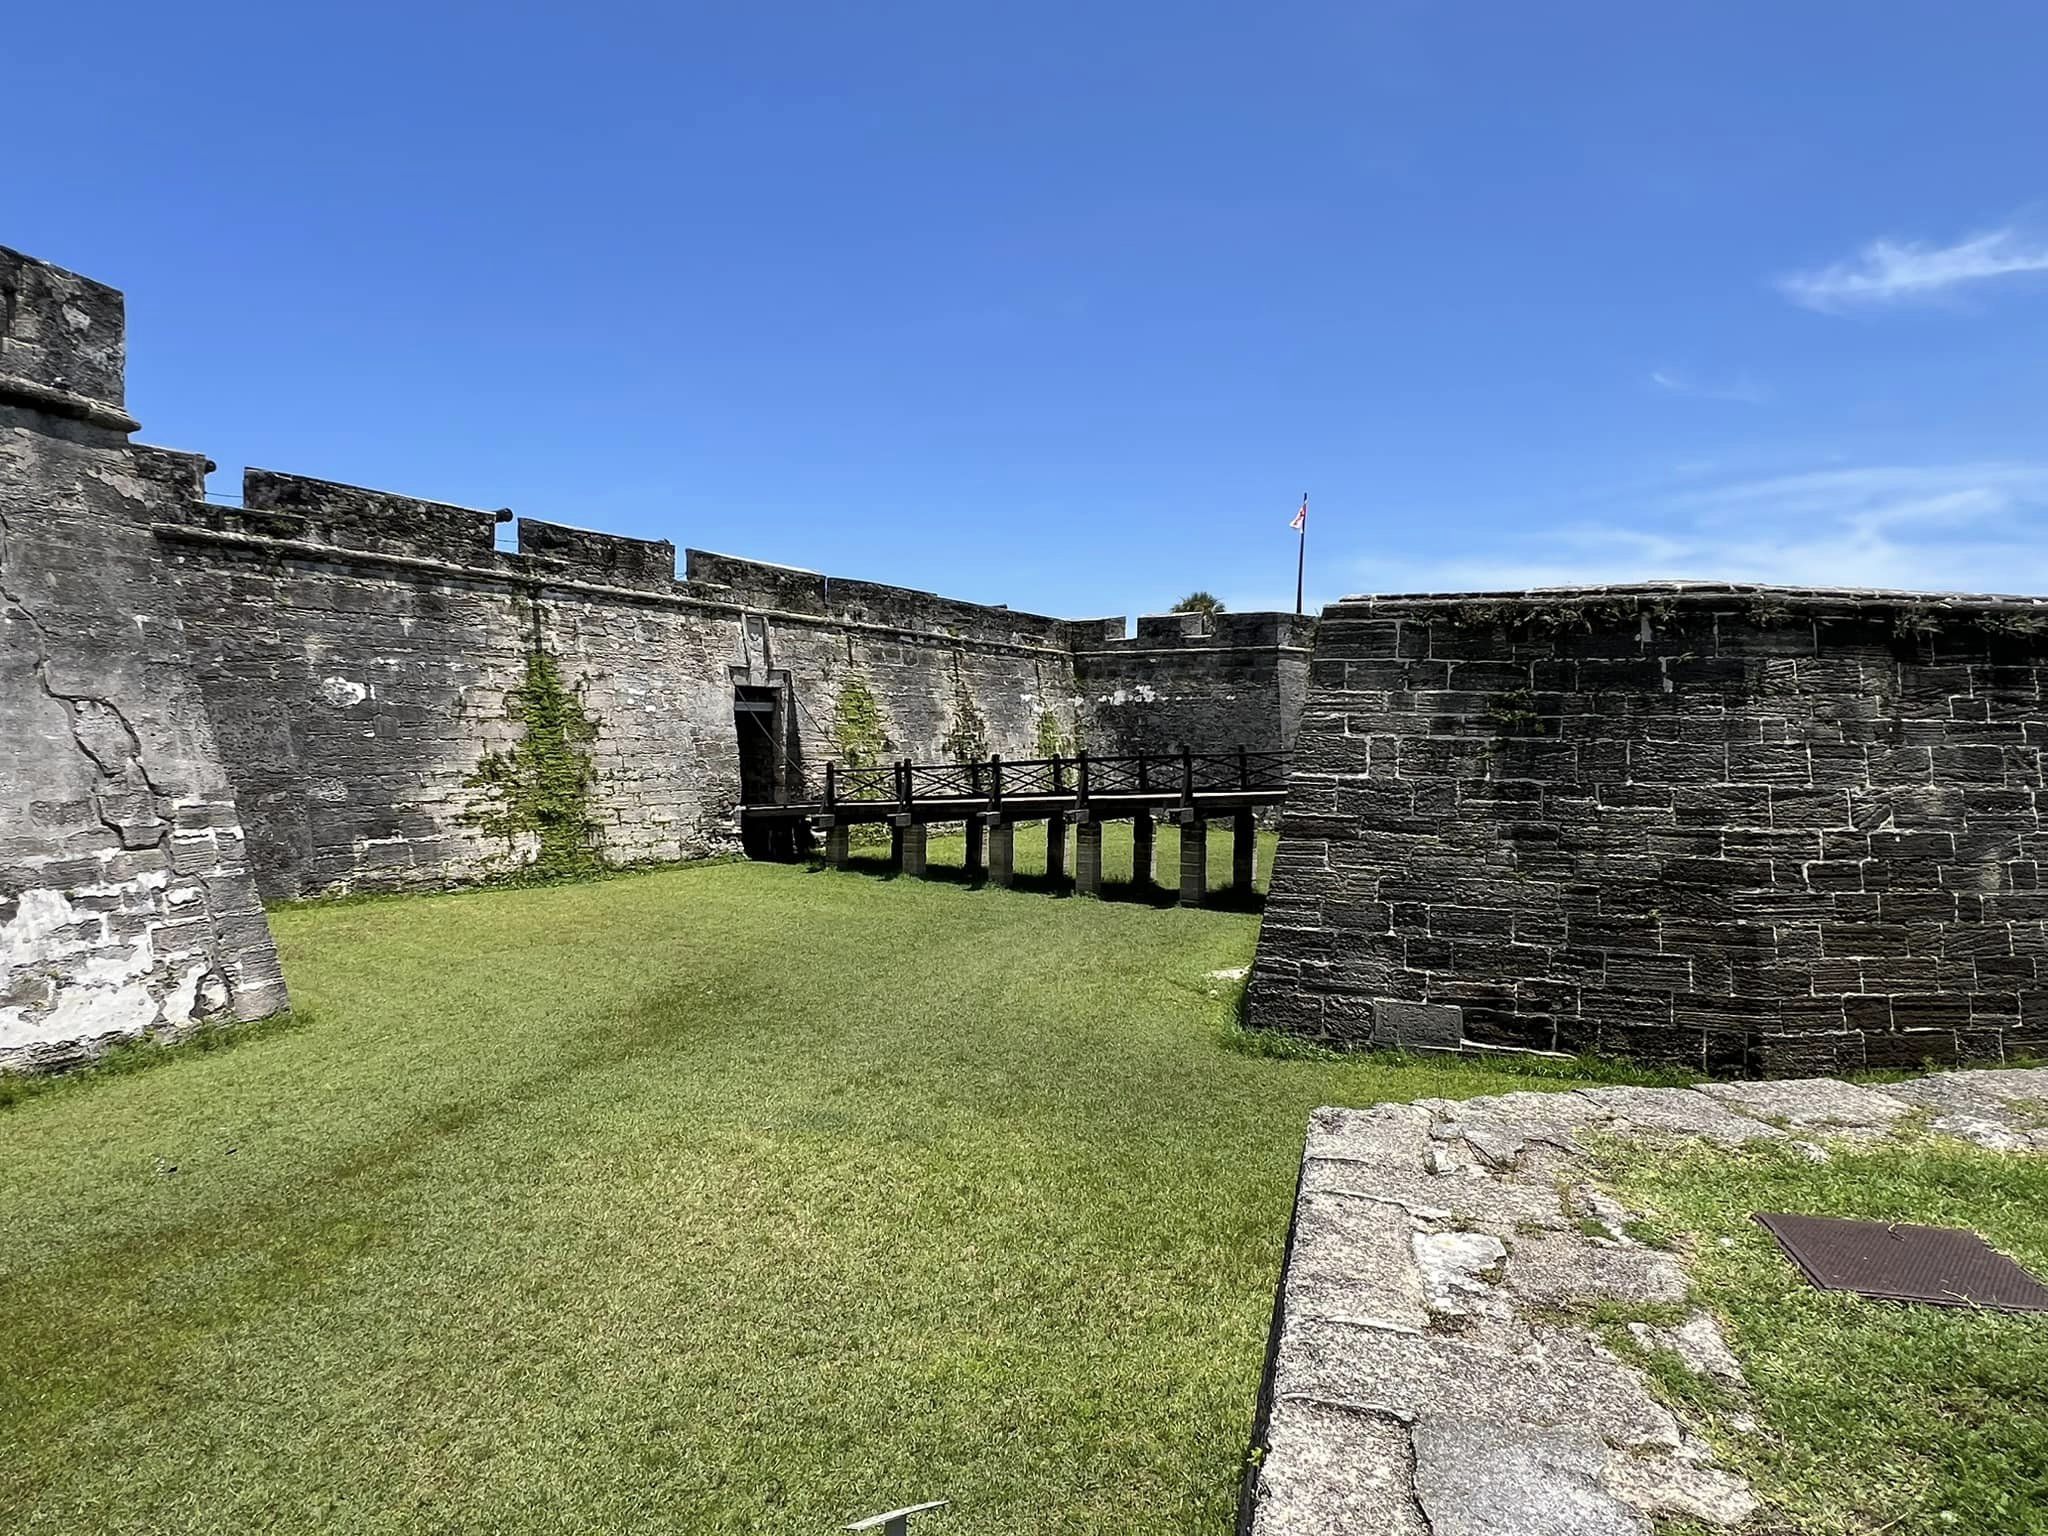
(757, 717)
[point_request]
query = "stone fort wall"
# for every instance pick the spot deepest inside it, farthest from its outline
(126, 901)
(1738, 830)
(359, 652)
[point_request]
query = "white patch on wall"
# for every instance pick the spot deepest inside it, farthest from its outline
(101, 986)
(343, 692)
(1142, 694)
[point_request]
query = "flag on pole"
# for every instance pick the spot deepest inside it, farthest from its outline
(1301, 517)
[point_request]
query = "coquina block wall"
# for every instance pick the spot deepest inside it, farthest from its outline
(361, 653)
(1223, 680)
(126, 903)
(879, 673)
(1744, 830)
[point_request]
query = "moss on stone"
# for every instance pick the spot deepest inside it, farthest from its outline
(1052, 740)
(541, 787)
(966, 739)
(857, 732)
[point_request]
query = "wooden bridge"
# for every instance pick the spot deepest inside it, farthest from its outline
(1189, 789)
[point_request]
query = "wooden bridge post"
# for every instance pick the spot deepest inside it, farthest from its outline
(838, 843)
(1144, 866)
(1244, 852)
(1194, 860)
(977, 858)
(1056, 847)
(912, 838)
(1087, 855)
(1002, 852)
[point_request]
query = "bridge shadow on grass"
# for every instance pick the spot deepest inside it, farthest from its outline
(1161, 894)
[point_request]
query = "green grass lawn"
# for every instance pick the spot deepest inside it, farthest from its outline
(726, 1198)
(1876, 1417)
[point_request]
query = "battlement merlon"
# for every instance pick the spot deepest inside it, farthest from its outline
(63, 343)
(612, 559)
(791, 589)
(354, 517)
(1221, 631)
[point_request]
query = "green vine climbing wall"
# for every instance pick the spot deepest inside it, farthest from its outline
(541, 786)
(857, 725)
(966, 738)
(1054, 740)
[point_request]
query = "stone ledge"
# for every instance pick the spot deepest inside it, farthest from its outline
(1420, 1380)
(1690, 593)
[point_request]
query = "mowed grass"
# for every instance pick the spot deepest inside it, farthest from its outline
(1876, 1417)
(729, 1198)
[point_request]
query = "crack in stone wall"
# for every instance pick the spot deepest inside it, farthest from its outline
(85, 715)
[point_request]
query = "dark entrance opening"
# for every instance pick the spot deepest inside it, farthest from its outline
(757, 716)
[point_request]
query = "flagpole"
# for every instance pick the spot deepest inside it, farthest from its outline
(1301, 555)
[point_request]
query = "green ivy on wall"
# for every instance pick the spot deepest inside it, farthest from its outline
(966, 739)
(541, 786)
(1052, 742)
(857, 732)
(1513, 713)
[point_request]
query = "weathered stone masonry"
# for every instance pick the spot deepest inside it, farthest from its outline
(357, 650)
(1738, 829)
(1226, 679)
(125, 897)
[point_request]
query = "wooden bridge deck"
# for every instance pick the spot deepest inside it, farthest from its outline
(990, 798)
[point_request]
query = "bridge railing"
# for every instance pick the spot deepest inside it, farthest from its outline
(1082, 776)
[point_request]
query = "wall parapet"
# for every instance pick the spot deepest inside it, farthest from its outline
(355, 517)
(609, 558)
(791, 589)
(1216, 631)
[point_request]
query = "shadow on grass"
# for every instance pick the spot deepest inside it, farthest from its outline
(141, 1055)
(1247, 1039)
(878, 866)
(1586, 1068)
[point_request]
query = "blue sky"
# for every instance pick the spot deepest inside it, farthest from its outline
(1065, 305)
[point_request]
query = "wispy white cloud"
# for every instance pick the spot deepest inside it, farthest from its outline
(1956, 527)
(1892, 272)
(1741, 389)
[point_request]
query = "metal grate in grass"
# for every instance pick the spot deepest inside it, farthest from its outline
(1892, 1261)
